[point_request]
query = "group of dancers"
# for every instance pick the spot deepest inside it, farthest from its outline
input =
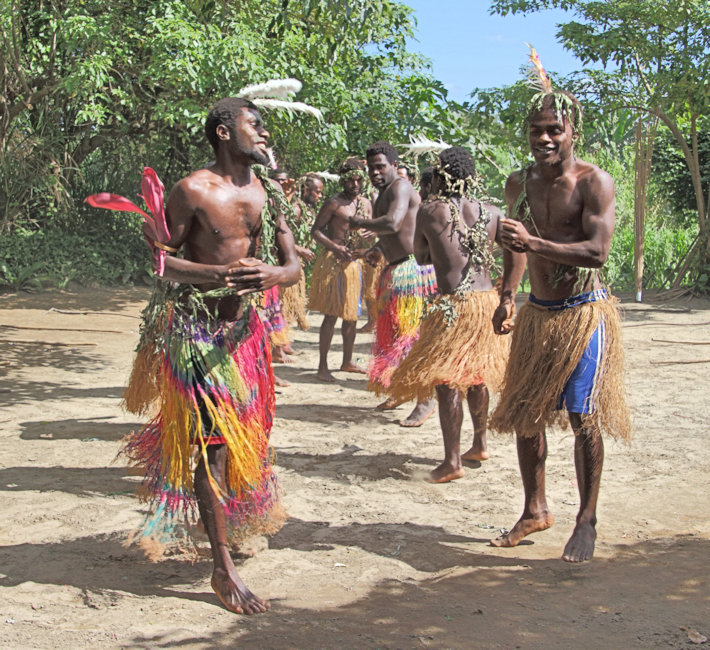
(422, 262)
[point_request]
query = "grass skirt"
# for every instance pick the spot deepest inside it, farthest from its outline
(546, 348)
(370, 281)
(274, 321)
(460, 354)
(336, 286)
(293, 303)
(400, 304)
(215, 386)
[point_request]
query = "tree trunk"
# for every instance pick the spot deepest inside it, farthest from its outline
(645, 135)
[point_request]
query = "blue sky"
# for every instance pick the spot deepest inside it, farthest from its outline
(470, 48)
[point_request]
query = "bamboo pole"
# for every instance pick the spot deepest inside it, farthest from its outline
(642, 169)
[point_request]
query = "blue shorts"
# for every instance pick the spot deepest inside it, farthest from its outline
(577, 394)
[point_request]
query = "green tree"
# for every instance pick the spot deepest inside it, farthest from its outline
(93, 92)
(656, 58)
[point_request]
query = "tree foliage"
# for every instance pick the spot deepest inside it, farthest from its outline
(656, 58)
(93, 92)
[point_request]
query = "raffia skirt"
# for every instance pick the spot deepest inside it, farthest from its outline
(456, 347)
(402, 290)
(546, 349)
(215, 386)
(336, 286)
(293, 303)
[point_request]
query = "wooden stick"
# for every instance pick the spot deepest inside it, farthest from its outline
(664, 323)
(84, 313)
(64, 345)
(60, 329)
(669, 363)
(681, 342)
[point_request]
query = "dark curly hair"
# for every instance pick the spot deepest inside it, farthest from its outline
(458, 163)
(427, 176)
(353, 163)
(224, 112)
(385, 148)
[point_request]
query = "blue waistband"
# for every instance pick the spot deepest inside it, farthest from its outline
(572, 301)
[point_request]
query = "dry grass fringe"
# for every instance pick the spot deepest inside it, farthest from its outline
(293, 303)
(142, 391)
(458, 356)
(546, 348)
(370, 280)
(335, 286)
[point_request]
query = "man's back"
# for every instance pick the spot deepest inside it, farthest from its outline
(447, 241)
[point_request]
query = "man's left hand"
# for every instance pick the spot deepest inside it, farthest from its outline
(251, 275)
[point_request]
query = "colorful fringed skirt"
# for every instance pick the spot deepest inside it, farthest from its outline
(273, 319)
(215, 386)
(456, 347)
(336, 286)
(403, 288)
(565, 354)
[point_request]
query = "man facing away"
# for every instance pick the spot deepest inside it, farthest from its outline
(336, 282)
(566, 350)
(403, 284)
(214, 383)
(457, 355)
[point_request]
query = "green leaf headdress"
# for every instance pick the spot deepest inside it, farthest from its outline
(562, 102)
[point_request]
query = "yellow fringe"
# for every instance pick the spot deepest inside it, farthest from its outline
(142, 390)
(547, 346)
(335, 286)
(181, 420)
(461, 355)
(293, 303)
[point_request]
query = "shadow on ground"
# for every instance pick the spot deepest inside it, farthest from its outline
(498, 604)
(84, 429)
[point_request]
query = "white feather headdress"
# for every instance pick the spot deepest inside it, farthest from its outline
(276, 94)
(327, 176)
(420, 145)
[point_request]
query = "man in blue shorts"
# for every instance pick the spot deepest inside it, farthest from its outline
(566, 350)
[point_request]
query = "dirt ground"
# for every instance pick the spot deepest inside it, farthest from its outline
(372, 556)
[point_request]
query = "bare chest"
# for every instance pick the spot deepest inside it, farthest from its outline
(554, 210)
(226, 215)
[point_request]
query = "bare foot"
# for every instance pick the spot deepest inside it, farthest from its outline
(387, 405)
(235, 595)
(422, 411)
(325, 375)
(281, 383)
(353, 367)
(445, 473)
(288, 349)
(279, 356)
(475, 453)
(580, 546)
(522, 529)
(368, 327)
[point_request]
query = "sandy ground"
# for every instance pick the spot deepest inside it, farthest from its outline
(372, 556)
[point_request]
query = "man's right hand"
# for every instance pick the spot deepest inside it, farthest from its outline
(342, 253)
(503, 318)
(374, 256)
